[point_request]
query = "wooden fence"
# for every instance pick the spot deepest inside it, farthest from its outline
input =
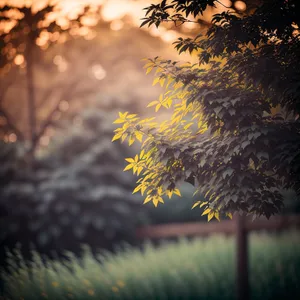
(239, 226)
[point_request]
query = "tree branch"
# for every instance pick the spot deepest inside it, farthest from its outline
(222, 4)
(67, 94)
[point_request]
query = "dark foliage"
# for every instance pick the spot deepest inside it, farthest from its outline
(77, 194)
(250, 101)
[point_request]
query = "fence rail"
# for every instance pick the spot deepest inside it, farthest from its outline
(275, 223)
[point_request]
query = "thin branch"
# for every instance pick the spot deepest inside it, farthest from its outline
(45, 125)
(222, 4)
(49, 120)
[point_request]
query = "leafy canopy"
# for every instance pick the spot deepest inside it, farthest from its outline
(234, 129)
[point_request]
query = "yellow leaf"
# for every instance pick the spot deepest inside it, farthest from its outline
(149, 69)
(195, 116)
(162, 81)
(148, 64)
(125, 126)
(139, 136)
(210, 216)
(177, 192)
(118, 130)
(143, 189)
(137, 189)
(142, 154)
(169, 194)
(175, 120)
(124, 136)
(147, 199)
(155, 81)
(203, 203)
(152, 103)
(139, 170)
(170, 80)
(206, 193)
(169, 102)
(128, 167)
(123, 116)
(130, 160)
(206, 212)
(196, 204)
(156, 200)
(131, 116)
(217, 216)
(135, 169)
(203, 130)
(119, 121)
(187, 126)
(161, 200)
(159, 191)
(116, 136)
(196, 192)
(159, 70)
(229, 215)
(131, 140)
(157, 107)
(160, 99)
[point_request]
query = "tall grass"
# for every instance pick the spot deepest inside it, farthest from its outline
(198, 269)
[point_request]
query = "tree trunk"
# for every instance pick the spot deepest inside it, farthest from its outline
(31, 103)
(242, 280)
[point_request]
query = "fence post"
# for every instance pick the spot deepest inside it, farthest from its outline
(242, 280)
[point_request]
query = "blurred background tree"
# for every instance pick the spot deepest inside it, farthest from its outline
(77, 194)
(26, 29)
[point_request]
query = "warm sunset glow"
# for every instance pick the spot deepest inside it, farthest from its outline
(114, 9)
(98, 72)
(64, 105)
(154, 31)
(19, 60)
(61, 63)
(92, 34)
(12, 138)
(116, 25)
(169, 36)
(221, 6)
(240, 6)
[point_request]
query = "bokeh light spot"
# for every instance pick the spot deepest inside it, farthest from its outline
(19, 59)
(116, 25)
(98, 72)
(240, 6)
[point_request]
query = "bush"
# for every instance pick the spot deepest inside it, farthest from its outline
(201, 269)
(76, 194)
